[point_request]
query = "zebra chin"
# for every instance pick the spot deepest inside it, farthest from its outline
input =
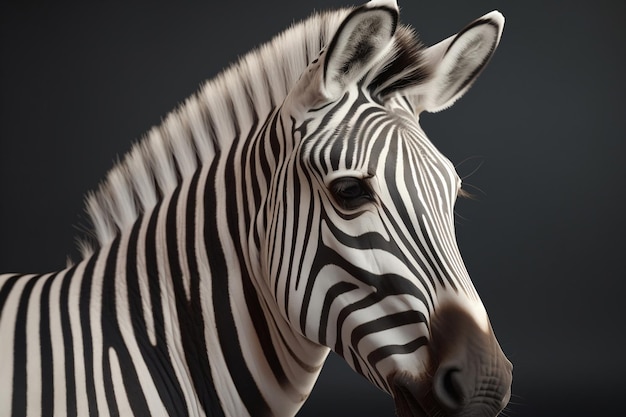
(469, 375)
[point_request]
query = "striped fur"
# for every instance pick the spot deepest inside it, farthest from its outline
(292, 206)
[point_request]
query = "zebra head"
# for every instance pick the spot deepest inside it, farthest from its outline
(361, 249)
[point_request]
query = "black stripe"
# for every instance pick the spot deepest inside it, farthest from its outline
(47, 371)
(6, 290)
(18, 403)
(386, 351)
(108, 321)
(68, 343)
(84, 306)
(385, 323)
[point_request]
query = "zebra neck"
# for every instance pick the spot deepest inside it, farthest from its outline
(218, 331)
(281, 365)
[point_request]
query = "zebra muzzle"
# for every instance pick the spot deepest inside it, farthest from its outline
(469, 374)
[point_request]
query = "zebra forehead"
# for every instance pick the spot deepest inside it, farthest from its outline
(384, 142)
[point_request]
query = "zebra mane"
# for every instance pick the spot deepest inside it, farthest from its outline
(207, 121)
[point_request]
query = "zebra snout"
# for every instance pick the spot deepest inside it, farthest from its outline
(472, 376)
(469, 374)
(457, 387)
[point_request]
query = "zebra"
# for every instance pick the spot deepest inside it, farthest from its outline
(292, 206)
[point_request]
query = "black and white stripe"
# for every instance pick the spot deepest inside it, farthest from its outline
(293, 205)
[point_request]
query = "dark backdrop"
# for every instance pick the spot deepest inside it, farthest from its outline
(545, 123)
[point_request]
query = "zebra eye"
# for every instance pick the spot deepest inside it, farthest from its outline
(350, 192)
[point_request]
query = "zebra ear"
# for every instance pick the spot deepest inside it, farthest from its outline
(457, 61)
(360, 41)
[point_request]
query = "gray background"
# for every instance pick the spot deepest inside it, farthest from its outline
(545, 123)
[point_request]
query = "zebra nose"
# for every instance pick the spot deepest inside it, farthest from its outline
(456, 388)
(450, 387)
(471, 371)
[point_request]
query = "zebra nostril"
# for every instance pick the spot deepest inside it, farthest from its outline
(449, 388)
